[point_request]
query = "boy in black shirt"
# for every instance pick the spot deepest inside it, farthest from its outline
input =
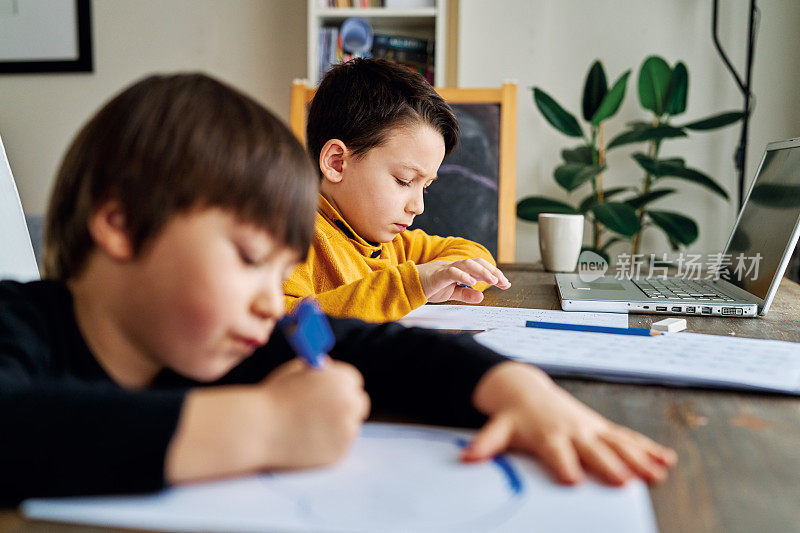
(177, 213)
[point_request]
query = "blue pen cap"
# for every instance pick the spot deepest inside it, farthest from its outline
(308, 332)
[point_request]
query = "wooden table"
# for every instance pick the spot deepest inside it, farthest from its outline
(739, 453)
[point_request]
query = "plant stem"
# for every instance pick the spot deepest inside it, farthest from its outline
(601, 156)
(595, 160)
(652, 151)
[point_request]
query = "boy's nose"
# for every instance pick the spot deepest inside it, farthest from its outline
(416, 205)
(268, 304)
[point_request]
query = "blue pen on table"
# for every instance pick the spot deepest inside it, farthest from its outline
(644, 332)
(308, 332)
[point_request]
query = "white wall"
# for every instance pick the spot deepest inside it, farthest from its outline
(551, 43)
(255, 45)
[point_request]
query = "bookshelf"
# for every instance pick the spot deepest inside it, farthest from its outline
(424, 23)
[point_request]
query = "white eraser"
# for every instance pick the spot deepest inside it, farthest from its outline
(670, 325)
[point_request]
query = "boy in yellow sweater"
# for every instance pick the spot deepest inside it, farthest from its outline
(379, 132)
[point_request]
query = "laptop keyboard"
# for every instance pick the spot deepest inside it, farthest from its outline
(681, 289)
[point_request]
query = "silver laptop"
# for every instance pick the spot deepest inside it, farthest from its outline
(746, 275)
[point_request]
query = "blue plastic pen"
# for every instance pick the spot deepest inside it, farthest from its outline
(644, 332)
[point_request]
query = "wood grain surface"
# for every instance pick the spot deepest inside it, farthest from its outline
(739, 453)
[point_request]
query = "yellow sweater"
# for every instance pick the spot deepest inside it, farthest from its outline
(354, 278)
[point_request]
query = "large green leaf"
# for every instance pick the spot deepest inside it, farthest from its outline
(610, 104)
(648, 197)
(531, 207)
(693, 175)
(556, 115)
(649, 164)
(663, 131)
(653, 84)
(580, 154)
(590, 200)
(677, 227)
(618, 217)
(776, 195)
(594, 90)
(572, 175)
(716, 121)
(678, 90)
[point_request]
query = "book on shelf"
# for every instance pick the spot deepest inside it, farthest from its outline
(361, 4)
(413, 52)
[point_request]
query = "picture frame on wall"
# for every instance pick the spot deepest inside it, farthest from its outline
(40, 37)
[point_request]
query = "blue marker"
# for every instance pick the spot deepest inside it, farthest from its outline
(308, 332)
(644, 332)
(464, 285)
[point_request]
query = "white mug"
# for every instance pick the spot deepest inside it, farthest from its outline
(560, 240)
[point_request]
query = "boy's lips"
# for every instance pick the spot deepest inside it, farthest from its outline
(251, 342)
(401, 227)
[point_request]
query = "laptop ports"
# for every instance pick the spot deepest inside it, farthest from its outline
(729, 311)
(676, 309)
(661, 308)
(705, 310)
(690, 309)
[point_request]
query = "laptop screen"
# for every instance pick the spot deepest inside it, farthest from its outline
(766, 224)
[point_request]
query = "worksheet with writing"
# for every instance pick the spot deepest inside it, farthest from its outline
(395, 478)
(482, 317)
(673, 358)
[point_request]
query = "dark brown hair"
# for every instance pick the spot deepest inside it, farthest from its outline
(361, 101)
(171, 144)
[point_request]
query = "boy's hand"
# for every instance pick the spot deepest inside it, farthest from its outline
(440, 279)
(313, 414)
(528, 412)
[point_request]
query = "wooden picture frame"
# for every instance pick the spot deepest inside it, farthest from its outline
(506, 98)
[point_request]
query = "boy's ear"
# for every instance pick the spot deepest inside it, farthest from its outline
(109, 231)
(332, 160)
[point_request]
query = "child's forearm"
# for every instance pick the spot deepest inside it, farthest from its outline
(221, 432)
(381, 296)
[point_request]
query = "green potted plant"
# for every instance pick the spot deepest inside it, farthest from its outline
(622, 213)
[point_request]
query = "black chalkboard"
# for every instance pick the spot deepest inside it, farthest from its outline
(463, 201)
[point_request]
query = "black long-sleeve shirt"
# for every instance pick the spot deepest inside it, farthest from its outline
(66, 428)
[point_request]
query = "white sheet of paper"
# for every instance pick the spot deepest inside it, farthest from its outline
(482, 317)
(396, 478)
(675, 358)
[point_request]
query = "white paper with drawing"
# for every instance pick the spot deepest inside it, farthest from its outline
(675, 358)
(396, 478)
(481, 317)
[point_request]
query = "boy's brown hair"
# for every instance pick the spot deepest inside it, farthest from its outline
(361, 101)
(171, 144)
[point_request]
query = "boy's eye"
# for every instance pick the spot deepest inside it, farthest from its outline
(402, 183)
(247, 259)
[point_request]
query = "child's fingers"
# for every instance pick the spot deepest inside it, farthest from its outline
(467, 295)
(453, 274)
(478, 270)
(637, 458)
(502, 280)
(493, 438)
(603, 460)
(559, 455)
(658, 452)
